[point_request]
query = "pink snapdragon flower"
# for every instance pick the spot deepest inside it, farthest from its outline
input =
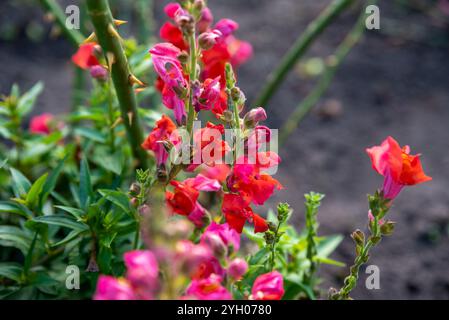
(110, 288)
(41, 124)
(268, 286)
(207, 95)
(208, 289)
(142, 272)
(229, 237)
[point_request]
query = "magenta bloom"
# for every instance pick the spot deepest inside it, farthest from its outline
(203, 183)
(228, 235)
(208, 289)
(198, 215)
(237, 268)
(167, 65)
(226, 27)
(110, 288)
(268, 286)
(208, 95)
(206, 20)
(142, 269)
(171, 9)
(40, 124)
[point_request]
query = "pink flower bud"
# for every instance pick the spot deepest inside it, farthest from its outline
(237, 268)
(171, 9)
(268, 286)
(226, 26)
(254, 116)
(99, 72)
(205, 20)
(208, 39)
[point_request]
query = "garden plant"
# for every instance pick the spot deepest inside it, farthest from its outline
(157, 184)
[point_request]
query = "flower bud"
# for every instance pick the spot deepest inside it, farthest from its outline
(359, 237)
(205, 20)
(144, 210)
(134, 202)
(237, 268)
(215, 243)
(387, 228)
(134, 188)
(199, 5)
(183, 57)
(254, 116)
(99, 72)
(208, 39)
(185, 21)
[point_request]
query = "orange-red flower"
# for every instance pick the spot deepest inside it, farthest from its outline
(164, 130)
(397, 165)
(237, 211)
(85, 56)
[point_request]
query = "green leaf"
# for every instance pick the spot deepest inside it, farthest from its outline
(21, 184)
(329, 261)
(50, 183)
(32, 197)
(29, 256)
(3, 163)
(15, 208)
(111, 162)
(11, 270)
(71, 236)
(77, 213)
(91, 134)
(62, 221)
(85, 190)
(11, 236)
(118, 198)
(27, 100)
(328, 244)
(294, 286)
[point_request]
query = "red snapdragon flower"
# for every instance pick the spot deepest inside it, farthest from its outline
(268, 286)
(41, 124)
(183, 200)
(397, 165)
(209, 146)
(85, 56)
(165, 130)
(249, 180)
(237, 211)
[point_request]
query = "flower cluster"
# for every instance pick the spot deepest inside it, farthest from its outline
(194, 69)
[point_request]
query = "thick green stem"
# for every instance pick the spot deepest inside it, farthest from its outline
(333, 64)
(110, 42)
(313, 30)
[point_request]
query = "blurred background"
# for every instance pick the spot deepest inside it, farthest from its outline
(394, 82)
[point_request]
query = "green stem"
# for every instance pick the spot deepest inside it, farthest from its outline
(192, 70)
(334, 63)
(110, 42)
(75, 37)
(144, 10)
(111, 116)
(299, 48)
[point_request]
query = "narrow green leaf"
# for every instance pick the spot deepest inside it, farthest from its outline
(15, 208)
(28, 99)
(91, 134)
(50, 183)
(11, 236)
(32, 197)
(327, 245)
(62, 221)
(74, 234)
(118, 198)
(77, 213)
(329, 261)
(85, 190)
(29, 256)
(10, 270)
(21, 184)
